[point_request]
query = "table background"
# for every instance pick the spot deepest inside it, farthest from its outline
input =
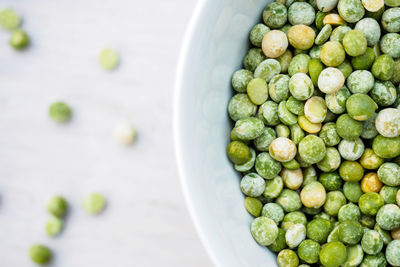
(146, 222)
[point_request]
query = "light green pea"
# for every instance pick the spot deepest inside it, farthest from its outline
(348, 128)
(351, 150)
(355, 256)
(279, 87)
(267, 69)
(383, 67)
(9, 19)
(345, 68)
(266, 166)
(384, 93)
(315, 52)
(329, 134)
(354, 41)
(370, 203)
(264, 230)
(392, 253)
(57, 206)
(372, 242)
(351, 171)
(295, 235)
(295, 106)
(390, 44)
(249, 164)
(365, 61)
(339, 32)
(264, 140)
(388, 217)
(318, 230)
(282, 130)
(257, 90)
(371, 30)
(94, 203)
(331, 161)
(269, 111)
(350, 232)
(40, 254)
(252, 185)
(285, 115)
(257, 34)
(275, 15)
(323, 35)
(315, 67)
(108, 59)
(389, 173)
(389, 194)
(333, 254)
(386, 147)
(390, 20)
(291, 165)
(312, 149)
(273, 211)
(249, 128)
(336, 102)
(240, 107)
(334, 201)
(60, 112)
(349, 212)
(352, 191)
(301, 86)
(351, 10)
(301, 13)
(309, 251)
(54, 226)
(289, 200)
(299, 64)
(287, 258)
(296, 133)
(253, 206)
(240, 80)
(273, 187)
(360, 81)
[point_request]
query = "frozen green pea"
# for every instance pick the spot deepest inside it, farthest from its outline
(389, 194)
(388, 122)
(386, 147)
(369, 160)
(241, 79)
(389, 173)
(390, 20)
(332, 54)
(369, 131)
(331, 180)
(378, 260)
(336, 102)
(249, 164)
(273, 187)
(264, 230)
(108, 59)
(326, 5)
(367, 221)
(388, 217)
(329, 134)
(257, 90)
(345, 68)
(334, 235)
(301, 13)
(371, 30)
(330, 80)
(289, 200)
(383, 67)
(385, 235)
(309, 175)
(253, 58)
(292, 178)
(351, 10)
(267, 69)
(296, 133)
(273, 211)
(279, 243)
(253, 206)
(240, 107)
(392, 253)
(350, 232)
(40, 254)
(94, 203)
(333, 254)
(54, 226)
(285, 115)
(355, 256)
(284, 60)
(360, 81)
(370, 203)
(384, 93)
(299, 64)
(252, 185)
(315, 52)
(334, 201)
(264, 140)
(60, 112)
(339, 32)
(323, 35)
(266, 166)
(275, 15)
(295, 106)
(352, 191)
(9, 19)
(269, 111)
(372, 242)
(351, 150)
(294, 217)
(287, 258)
(348, 128)
(312, 149)
(291, 165)
(249, 128)
(364, 61)
(315, 109)
(238, 152)
(309, 251)
(390, 44)
(331, 161)
(354, 41)
(57, 206)
(349, 212)
(319, 19)
(257, 34)
(301, 86)
(351, 171)
(279, 87)
(315, 68)
(295, 234)
(282, 130)
(318, 230)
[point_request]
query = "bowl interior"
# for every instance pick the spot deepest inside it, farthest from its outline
(216, 43)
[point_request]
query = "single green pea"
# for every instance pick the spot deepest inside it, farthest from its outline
(331, 181)
(348, 128)
(273, 187)
(354, 41)
(355, 256)
(267, 69)
(315, 67)
(372, 242)
(334, 201)
(301, 13)
(282, 130)
(249, 128)
(312, 149)
(389, 173)
(291, 165)
(279, 243)
(253, 58)
(238, 152)
(253, 206)
(333, 254)
(295, 106)
(94, 203)
(390, 21)
(332, 54)
(264, 140)
(275, 15)
(360, 81)
(287, 258)
(350, 232)
(329, 134)
(371, 30)
(390, 44)
(240, 80)
(370, 203)
(351, 10)
(374, 260)
(257, 90)
(295, 234)
(351, 171)
(299, 64)
(345, 68)
(289, 200)
(349, 212)
(40, 254)
(269, 112)
(392, 253)
(266, 166)
(319, 17)
(369, 160)
(108, 59)
(323, 35)
(308, 251)
(331, 161)
(383, 67)
(296, 133)
(386, 147)
(360, 107)
(264, 230)
(364, 61)
(274, 212)
(19, 40)
(384, 93)
(389, 194)
(318, 230)
(57, 206)
(248, 165)
(339, 32)
(9, 19)
(336, 102)
(279, 87)
(352, 191)
(285, 115)
(257, 34)
(388, 217)
(369, 130)
(54, 226)
(60, 112)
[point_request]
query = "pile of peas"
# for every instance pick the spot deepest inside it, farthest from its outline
(317, 132)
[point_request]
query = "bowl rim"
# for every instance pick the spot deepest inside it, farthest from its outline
(183, 61)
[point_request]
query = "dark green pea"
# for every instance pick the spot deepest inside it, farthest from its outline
(345, 68)
(386, 147)
(350, 232)
(318, 230)
(275, 15)
(279, 243)
(352, 191)
(348, 128)
(364, 61)
(331, 181)
(383, 67)
(253, 58)
(319, 19)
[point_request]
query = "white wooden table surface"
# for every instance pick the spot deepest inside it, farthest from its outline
(146, 222)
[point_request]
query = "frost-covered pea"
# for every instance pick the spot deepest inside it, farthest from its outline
(351, 171)
(332, 54)
(240, 79)
(282, 130)
(253, 206)
(264, 230)
(349, 212)
(392, 253)
(274, 212)
(383, 67)
(249, 164)
(279, 243)
(355, 256)
(275, 15)
(330, 80)
(331, 161)
(266, 166)
(389, 173)
(267, 69)
(372, 242)
(295, 234)
(360, 81)
(334, 201)
(326, 5)
(386, 237)
(279, 87)
(371, 183)
(336, 102)
(351, 150)
(390, 44)
(284, 60)
(369, 131)
(319, 19)
(374, 260)
(315, 68)
(329, 134)
(301, 36)
(351, 10)
(257, 90)
(285, 116)
(365, 61)
(354, 41)
(352, 191)
(312, 149)
(265, 139)
(299, 64)
(388, 217)
(249, 128)
(301, 13)
(269, 111)
(345, 68)
(315, 51)
(257, 34)
(360, 107)
(318, 230)
(338, 33)
(386, 147)
(241, 107)
(313, 195)
(389, 194)
(310, 175)
(283, 149)
(350, 232)
(301, 86)
(323, 35)
(274, 44)
(296, 133)
(238, 152)
(252, 185)
(331, 180)
(289, 200)
(333, 254)
(294, 217)
(388, 122)
(273, 187)
(295, 106)
(370, 203)
(348, 128)
(371, 30)
(253, 58)
(384, 93)
(287, 258)
(315, 109)
(390, 19)
(309, 251)
(367, 221)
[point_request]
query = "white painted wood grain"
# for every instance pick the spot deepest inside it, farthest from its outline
(146, 223)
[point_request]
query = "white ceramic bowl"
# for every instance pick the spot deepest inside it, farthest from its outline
(215, 44)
